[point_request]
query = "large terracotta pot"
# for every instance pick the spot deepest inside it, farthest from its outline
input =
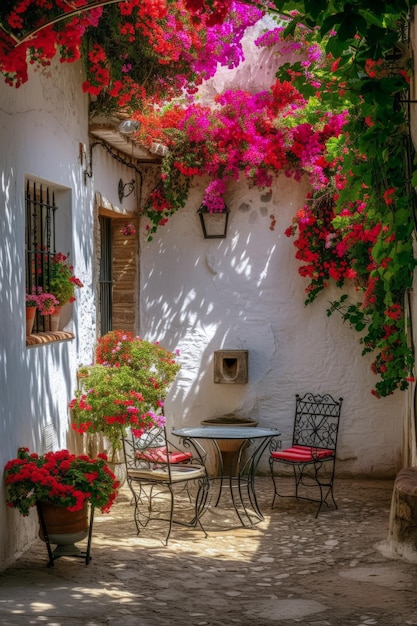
(64, 528)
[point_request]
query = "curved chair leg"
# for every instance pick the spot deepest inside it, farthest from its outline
(311, 480)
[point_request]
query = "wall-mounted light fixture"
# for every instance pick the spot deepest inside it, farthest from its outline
(159, 148)
(125, 189)
(214, 224)
(128, 127)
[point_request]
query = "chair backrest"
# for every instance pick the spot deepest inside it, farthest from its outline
(316, 422)
(147, 452)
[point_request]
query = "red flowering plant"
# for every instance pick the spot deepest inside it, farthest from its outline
(59, 478)
(61, 279)
(365, 234)
(24, 37)
(253, 135)
(155, 51)
(125, 388)
(133, 50)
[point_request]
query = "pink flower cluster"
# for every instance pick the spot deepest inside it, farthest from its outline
(251, 134)
(128, 229)
(44, 302)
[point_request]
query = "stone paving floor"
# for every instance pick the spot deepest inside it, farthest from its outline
(289, 569)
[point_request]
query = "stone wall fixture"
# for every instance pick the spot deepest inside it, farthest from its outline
(231, 366)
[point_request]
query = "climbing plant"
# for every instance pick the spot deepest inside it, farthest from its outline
(361, 228)
(335, 114)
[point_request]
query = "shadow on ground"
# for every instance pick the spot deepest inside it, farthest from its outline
(289, 569)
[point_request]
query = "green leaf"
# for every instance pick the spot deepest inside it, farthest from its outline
(330, 22)
(315, 7)
(335, 47)
(414, 179)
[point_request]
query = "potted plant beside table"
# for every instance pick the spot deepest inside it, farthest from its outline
(124, 389)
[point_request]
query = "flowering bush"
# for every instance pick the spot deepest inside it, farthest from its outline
(124, 389)
(355, 226)
(163, 47)
(255, 135)
(62, 281)
(22, 17)
(60, 478)
(162, 51)
(154, 366)
(111, 401)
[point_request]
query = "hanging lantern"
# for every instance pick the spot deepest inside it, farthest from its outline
(213, 223)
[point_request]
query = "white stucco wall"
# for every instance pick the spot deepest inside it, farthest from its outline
(41, 127)
(244, 292)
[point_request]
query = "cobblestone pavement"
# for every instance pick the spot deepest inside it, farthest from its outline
(289, 569)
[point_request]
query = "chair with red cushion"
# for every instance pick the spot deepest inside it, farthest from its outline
(158, 475)
(161, 454)
(312, 454)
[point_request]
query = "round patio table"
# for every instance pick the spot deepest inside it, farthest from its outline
(241, 476)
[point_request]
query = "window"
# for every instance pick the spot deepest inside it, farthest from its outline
(40, 239)
(106, 279)
(47, 232)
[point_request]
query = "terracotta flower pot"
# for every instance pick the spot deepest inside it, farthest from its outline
(54, 319)
(30, 319)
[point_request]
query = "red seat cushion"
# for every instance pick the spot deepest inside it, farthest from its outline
(160, 455)
(302, 454)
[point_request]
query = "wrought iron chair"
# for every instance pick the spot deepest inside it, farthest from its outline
(158, 474)
(314, 441)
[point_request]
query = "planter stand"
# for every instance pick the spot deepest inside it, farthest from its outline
(68, 549)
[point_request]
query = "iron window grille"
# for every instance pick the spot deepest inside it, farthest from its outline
(40, 236)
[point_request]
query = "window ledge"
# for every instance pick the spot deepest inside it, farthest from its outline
(39, 339)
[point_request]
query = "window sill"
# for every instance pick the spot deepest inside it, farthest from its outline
(40, 339)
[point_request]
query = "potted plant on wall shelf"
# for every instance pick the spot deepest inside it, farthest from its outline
(62, 283)
(45, 303)
(61, 485)
(125, 388)
(31, 307)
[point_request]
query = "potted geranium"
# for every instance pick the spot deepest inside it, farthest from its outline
(37, 300)
(125, 388)
(31, 307)
(60, 478)
(62, 486)
(62, 281)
